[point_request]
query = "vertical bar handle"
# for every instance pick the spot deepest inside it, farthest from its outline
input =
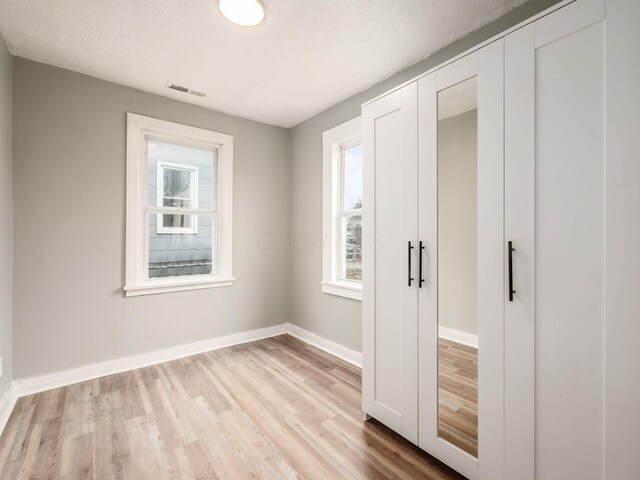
(421, 280)
(511, 290)
(410, 247)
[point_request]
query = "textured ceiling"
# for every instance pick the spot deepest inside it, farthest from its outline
(307, 56)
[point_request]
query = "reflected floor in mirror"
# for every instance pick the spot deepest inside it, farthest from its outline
(458, 395)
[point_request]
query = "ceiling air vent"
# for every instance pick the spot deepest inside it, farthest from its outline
(180, 88)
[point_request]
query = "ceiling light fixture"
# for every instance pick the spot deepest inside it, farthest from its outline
(246, 13)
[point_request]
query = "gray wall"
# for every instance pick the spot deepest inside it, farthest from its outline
(69, 218)
(336, 318)
(6, 215)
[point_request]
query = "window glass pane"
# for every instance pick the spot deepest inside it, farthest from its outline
(180, 176)
(177, 184)
(352, 174)
(177, 221)
(179, 254)
(352, 248)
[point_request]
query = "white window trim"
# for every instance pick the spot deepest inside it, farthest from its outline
(346, 134)
(193, 170)
(139, 129)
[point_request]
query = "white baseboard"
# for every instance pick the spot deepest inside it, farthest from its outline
(7, 402)
(31, 385)
(458, 336)
(335, 349)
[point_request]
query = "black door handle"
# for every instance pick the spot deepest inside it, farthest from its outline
(511, 290)
(421, 281)
(410, 247)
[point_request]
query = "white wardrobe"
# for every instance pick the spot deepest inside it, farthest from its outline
(484, 253)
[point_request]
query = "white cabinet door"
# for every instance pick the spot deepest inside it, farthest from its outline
(390, 232)
(555, 204)
(461, 302)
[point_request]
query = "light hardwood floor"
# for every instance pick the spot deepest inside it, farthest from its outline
(273, 409)
(458, 395)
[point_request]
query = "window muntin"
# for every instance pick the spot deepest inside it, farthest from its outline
(179, 195)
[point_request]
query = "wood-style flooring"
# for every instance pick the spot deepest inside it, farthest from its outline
(458, 395)
(273, 409)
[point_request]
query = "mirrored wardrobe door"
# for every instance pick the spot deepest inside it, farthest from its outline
(460, 172)
(457, 259)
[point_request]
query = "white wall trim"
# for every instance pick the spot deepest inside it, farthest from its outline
(332, 348)
(174, 284)
(343, 290)
(31, 385)
(7, 402)
(458, 336)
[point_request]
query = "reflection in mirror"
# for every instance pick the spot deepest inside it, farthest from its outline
(457, 266)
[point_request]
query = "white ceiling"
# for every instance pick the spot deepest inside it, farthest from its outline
(306, 57)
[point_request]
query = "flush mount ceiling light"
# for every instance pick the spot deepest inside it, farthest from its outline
(246, 13)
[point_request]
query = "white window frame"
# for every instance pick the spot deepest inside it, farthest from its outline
(139, 130)
(334, 142)
(193, 170)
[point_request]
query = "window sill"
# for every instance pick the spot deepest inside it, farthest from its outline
(347, 290)
(153, 287)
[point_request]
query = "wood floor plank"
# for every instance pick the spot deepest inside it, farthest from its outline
(77, 419)
(45, 464)
(193, 463)
(255, 448)
(111, 442)
(266, 415)
(30, 453)
(76, 458)
(147, 451)
(21, 434)
(215, 443)
(18, 417)
(48, 404)
(275, 409)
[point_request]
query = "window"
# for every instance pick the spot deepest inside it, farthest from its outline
(349, 248)
(177, 186)
(342, 210)
(179, 194)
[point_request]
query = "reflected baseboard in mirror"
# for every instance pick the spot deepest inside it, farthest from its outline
(458, 395)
